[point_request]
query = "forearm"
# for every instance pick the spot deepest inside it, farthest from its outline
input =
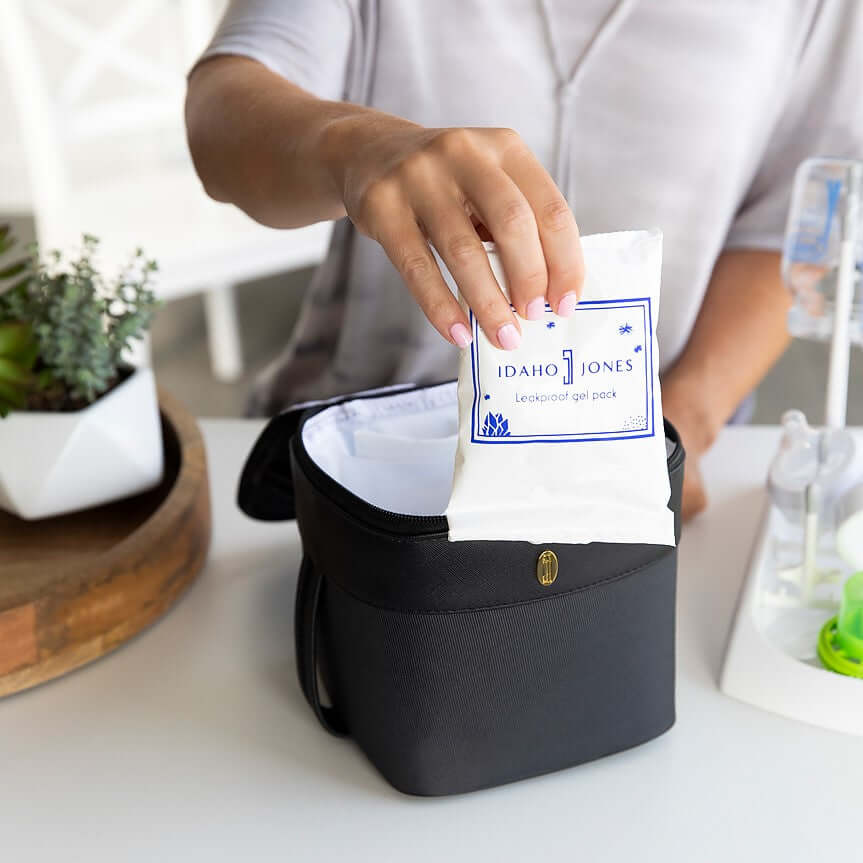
(288, 159)
(739, 333)
(265, 144)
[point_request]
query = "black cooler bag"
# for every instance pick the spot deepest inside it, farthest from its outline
(457, 665)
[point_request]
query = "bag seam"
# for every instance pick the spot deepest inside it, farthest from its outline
(497, 606)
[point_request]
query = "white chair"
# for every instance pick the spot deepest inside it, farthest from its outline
(106, 153)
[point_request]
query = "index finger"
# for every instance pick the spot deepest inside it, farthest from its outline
(558, 232)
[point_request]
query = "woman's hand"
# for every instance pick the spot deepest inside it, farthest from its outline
(289, 159)
(405, 186)
(683, 404)
(694, 495)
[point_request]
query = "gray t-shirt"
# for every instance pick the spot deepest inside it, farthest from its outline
(687, 116)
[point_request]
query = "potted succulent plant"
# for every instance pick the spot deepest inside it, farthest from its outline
(79, 427)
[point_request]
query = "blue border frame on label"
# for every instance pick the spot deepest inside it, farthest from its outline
(649, 430)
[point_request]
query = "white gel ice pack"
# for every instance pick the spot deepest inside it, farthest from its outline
(562, 439)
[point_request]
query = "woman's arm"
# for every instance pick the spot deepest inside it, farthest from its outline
(290, 159)
(739, 333)
(256, 141)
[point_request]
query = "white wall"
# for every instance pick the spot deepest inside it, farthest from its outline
(14, 186)
(159, 34)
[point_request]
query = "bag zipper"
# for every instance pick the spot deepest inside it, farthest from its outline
(409, 526)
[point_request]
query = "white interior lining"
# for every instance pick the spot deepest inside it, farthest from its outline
(396, 452)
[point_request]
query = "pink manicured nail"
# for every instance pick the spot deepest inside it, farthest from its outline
(460, 334)
(567, 304)
(535, 309)
(509, 337)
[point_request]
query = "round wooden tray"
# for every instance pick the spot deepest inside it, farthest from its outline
(73, 588)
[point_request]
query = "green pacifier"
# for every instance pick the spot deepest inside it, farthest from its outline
(840, 645)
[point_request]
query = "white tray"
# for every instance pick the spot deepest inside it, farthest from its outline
(771, 659)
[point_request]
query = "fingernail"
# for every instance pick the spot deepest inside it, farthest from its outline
(460, 334)
(535, 309)
(567, 304)
(509, 337)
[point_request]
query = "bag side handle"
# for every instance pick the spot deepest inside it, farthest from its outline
(310, 586)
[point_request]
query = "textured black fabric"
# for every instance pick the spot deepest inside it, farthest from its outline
(266, 489)
(430, 573)
(447, 703)
(449, 663)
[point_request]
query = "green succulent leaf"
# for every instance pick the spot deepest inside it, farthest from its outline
(14, 373)
(11, 398)
(17, 342)
(14, 269)
(12, 392)
(18, 351)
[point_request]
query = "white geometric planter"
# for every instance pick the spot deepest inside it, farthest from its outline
(51, 463)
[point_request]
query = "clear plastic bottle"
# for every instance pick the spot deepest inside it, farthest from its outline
(806, 474)
(817, 225)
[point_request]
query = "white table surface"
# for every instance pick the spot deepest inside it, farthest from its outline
(193, 741)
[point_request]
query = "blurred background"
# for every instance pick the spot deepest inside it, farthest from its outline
(91, 97)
